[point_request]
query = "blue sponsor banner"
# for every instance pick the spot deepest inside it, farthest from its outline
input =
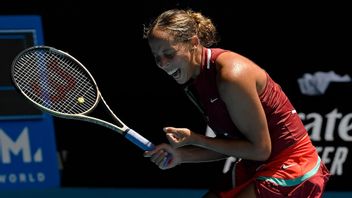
(28, 156)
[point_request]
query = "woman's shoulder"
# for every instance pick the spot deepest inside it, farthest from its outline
(234, 66)
(228, 59)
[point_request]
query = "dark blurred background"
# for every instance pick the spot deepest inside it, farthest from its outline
(285, 39)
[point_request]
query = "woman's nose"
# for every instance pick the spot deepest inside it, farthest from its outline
(163, 62)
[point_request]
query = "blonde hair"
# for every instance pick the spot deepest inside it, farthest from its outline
(183, 25)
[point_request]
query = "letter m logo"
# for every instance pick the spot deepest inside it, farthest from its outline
(17, 147)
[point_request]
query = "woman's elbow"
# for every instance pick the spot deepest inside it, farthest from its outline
(263, 152)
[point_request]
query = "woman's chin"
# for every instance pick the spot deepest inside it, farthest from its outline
(181, 81)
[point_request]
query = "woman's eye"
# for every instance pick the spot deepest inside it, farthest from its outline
(169, 56)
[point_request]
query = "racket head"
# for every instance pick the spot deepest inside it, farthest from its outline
(54, 81)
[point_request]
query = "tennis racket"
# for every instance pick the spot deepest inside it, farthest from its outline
(59, 84)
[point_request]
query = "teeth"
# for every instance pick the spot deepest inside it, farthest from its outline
(172, 71)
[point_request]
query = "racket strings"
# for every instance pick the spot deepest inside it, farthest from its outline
(55, 81)
(84, 88)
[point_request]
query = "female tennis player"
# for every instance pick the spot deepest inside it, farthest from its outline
(252, 117)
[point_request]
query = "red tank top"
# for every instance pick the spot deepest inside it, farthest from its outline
(285, 126)
(293, 158)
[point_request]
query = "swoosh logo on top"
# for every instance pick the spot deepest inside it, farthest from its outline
(284, 166)
(212, 100)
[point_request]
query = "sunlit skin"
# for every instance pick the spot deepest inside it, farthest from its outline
(239, 82)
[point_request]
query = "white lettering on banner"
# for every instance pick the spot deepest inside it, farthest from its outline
(336, 125)
(13, 178)
(21, 144)
(315, 126)
(334, 156)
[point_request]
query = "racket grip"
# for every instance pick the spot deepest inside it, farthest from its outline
(139, 140)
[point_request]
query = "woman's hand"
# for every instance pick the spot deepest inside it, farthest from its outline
(164, 156)
(179, 137)
(167, 156)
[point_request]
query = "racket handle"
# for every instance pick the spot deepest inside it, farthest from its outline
(139, 140)
(143, 143)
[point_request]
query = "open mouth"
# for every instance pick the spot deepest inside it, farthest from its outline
(175, 72)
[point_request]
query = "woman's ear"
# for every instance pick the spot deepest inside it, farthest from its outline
(195, 41)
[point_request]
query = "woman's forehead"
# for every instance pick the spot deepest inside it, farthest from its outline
(161, 35)
(160, 41)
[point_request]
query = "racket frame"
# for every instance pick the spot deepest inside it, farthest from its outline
(124, 130)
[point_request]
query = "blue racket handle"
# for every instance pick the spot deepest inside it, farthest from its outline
(139, 140)
(143, 143)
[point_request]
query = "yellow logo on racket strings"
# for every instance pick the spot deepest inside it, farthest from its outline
(80, 100)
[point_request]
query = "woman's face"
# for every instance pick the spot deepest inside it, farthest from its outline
(174, 58)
